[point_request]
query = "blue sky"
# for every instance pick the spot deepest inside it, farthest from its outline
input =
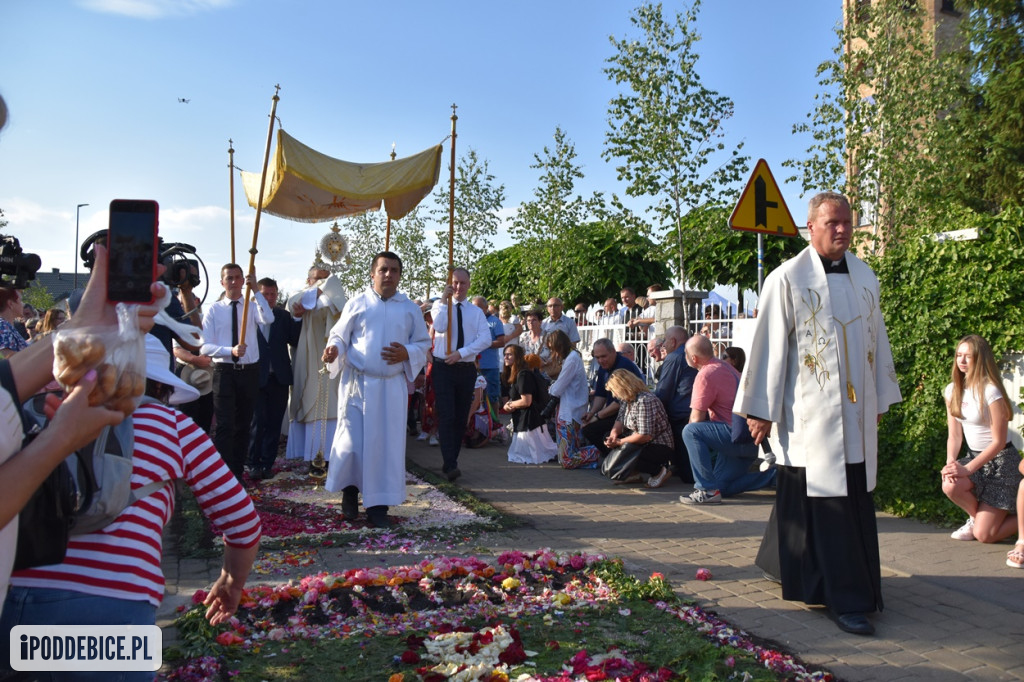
(93, 88)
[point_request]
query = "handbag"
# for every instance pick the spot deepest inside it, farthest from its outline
(618, 464)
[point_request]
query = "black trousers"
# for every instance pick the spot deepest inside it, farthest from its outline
(201, 411)
(596, 431)
(268, 415)
(234, 399)
(453, 396)
(825, 549)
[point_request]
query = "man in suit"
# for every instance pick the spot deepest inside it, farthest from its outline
(275, 380)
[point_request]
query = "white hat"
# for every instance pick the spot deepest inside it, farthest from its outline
(158, 363)
(201, 378)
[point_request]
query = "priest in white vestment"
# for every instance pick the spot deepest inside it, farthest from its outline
(820, 368)
(378, 346)
(313, 406)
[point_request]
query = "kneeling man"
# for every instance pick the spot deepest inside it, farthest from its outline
(379, 344)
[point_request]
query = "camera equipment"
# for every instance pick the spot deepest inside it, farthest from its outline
(17, 264)
(549, 409)
(174, 256)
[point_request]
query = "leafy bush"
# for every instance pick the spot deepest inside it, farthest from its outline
(933, 294)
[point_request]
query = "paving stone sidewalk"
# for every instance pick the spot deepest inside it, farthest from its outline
(953, 610)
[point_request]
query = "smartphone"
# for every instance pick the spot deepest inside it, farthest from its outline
(132, 250)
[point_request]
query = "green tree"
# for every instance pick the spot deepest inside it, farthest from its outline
(477, 202)
(542, 224)
(37, 296)
(878, 122)
(666, 128)
(365, 234)
(989, 126)
(603, 257)
(420, 274)
(720, 255)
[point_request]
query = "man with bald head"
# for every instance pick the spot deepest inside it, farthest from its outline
(675, 384)
(720, 466)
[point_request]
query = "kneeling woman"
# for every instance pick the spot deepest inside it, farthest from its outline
(983, 483)
(531, 443)
(643, 423)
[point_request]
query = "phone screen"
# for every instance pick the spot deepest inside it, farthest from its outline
(131, 245)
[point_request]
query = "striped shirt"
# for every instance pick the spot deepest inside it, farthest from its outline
(122, 560)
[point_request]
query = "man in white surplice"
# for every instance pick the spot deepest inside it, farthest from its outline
(379, 344)
(314, 400)
(820, 367)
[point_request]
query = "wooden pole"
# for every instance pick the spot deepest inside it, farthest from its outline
(259, 211)
(451, 231)
(231, 184)
(387, 233)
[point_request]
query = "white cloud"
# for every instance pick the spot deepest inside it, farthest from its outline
(154, 9)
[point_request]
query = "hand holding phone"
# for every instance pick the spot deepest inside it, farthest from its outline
(132, 250)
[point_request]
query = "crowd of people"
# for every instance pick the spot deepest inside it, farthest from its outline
(333, 372)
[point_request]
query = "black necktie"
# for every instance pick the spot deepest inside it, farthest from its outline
(234, 329)
(461, 338)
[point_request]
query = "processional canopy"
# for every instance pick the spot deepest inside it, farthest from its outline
(308, 186)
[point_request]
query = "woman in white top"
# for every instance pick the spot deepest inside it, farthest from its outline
(983, 483)
(573, 392)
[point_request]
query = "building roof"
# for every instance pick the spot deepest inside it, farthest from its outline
(61, 284)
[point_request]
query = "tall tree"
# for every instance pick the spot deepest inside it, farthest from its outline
(666, 128)
(541, 225)
(477, 202)
(877, 127)
(989, 126)
(365, 233)
(420, 274)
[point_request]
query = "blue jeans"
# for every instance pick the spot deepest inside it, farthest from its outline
(42, 606)
(720, 464)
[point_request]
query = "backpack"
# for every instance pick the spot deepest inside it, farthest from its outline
(85, 493)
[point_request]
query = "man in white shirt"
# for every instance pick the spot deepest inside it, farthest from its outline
(236, 369)
(454, 372)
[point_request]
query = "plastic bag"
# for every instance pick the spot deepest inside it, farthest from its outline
(118, 354)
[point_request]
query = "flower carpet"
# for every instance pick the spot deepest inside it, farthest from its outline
(427, 601)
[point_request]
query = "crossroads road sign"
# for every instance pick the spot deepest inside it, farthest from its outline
(761, 207)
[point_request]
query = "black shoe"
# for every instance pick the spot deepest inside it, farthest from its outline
(854, 623)
(268, 474)
(350, 503)
(378, 517)
(453, 474)
(256, 474)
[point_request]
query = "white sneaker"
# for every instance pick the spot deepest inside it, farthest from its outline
(433, 440)
(422, 436)
(700, 496)
(964, 532)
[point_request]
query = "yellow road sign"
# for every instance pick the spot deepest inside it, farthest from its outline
(761, 207)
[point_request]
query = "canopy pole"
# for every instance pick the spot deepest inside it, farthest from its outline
(387, 233)
(259, 211)
(231, 185)
(451, 231)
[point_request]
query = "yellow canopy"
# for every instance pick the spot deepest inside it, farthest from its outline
(311, 187)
